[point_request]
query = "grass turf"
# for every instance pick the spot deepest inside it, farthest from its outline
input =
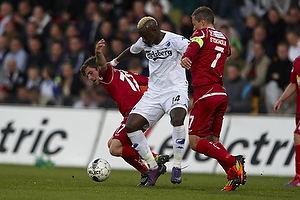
(28, 182)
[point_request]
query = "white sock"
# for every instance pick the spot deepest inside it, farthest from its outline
(139, 142)
(178, 137)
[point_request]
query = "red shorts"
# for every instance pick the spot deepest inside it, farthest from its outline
(121, 134)
(297, 130)
(207, 114)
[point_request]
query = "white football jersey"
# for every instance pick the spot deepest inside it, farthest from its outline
(164, 58)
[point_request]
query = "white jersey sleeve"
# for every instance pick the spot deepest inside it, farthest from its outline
(137, 47)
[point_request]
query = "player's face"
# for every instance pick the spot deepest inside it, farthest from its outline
(93, 75)
(147, 36)
(197, 25)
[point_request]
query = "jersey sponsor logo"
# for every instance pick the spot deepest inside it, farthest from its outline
(158, 54)
(217, 34)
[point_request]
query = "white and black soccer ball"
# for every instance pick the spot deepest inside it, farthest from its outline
(99, 169)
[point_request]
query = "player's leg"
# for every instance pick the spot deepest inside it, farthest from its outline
(295, 182)
(145, 114)
(175, 102)
(178, 137)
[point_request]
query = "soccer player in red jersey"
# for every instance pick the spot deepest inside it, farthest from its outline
(293, 87)
(205, 57)
(123, 87)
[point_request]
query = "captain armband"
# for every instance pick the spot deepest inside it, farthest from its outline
(198, 40)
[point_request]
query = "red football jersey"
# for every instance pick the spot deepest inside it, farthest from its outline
(123, 87)
(208, 52)
(295, 78)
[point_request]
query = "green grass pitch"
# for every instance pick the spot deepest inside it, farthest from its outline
(29, 182)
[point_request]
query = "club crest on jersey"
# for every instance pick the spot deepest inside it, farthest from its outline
(158, 54)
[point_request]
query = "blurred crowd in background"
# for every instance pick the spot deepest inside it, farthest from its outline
(43, 44)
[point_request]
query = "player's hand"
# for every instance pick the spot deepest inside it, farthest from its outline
(100, 60)
(99, 47)
(277, 106)
(186, 63)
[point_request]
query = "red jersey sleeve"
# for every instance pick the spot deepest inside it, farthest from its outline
(193, 47)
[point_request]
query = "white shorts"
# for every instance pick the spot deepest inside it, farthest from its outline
(153, 105)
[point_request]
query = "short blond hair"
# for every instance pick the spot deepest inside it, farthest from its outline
(144, 20)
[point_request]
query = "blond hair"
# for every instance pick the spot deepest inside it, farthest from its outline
(144, 20)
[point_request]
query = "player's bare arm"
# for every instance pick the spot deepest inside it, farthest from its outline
(100, 59)
(123, 56)
(289, 91)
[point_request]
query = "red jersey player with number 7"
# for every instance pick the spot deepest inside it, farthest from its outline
(123, 87)
(205, 57)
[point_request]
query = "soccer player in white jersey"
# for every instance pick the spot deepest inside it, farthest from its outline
(167, 92)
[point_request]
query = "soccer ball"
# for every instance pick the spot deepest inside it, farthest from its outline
(99, 169)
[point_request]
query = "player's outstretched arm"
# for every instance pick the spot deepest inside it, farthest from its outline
(100, 59)
(123, 56)
(289, 91)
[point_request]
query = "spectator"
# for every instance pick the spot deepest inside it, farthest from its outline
(123, 30)
(22, 96)
(29, 32)
(77, 54)
(259, 35)
(274, 27)
(117, 46)
(71, 31)
(48, 87)
(56, 56)
(16, 52)
(292, 19)
(70, 85)
(42, 20)
(159, 15)
(231, 8)
(3, 48)
(251, 22)
(34, 96)
(137, 12)
(255, 72)
(86, 20)
(6, 14)
(34, 78)
(36, 55)
(293, 39)
(186, 26)
(105, 32)
(278, 77)
(93, 34)
(12, 77)
(238, 91)
(22, 15)
(56, 34)
(167, 26)
(236, 58)
(85, 100)
(166, 6)
(10, 31)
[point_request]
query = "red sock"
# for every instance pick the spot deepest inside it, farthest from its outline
(210, 149)
(129, 151)
(230, 173)
(138, 164)
(297, 159)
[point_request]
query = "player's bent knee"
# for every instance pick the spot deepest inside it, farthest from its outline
(114, 152)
